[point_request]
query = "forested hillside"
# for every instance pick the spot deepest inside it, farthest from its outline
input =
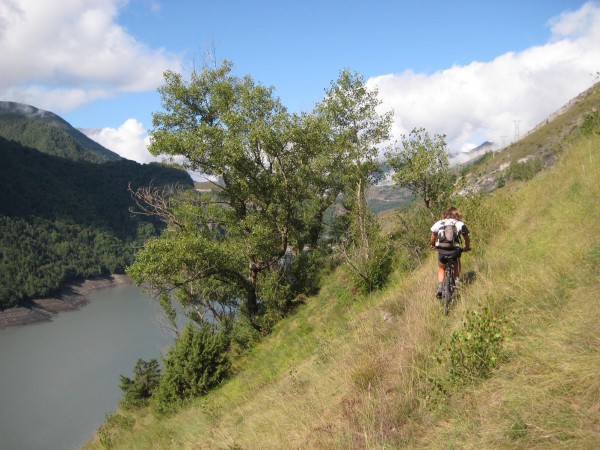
(62, 219)
(49, 133)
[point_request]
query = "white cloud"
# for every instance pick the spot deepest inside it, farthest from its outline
(482, 100)
(130, 140)
(60, 54)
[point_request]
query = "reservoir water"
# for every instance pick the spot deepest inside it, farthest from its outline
(59, 380)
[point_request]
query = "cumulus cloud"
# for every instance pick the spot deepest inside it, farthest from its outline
(501, 99)
(130, 140)
(61, 54)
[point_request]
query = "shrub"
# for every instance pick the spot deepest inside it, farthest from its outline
(194, 364)
(410, 236)
(137, 391)
(113, 427)
(367, 251)
(471, 354)
(305, 270)
(243, 336)
(275, 297)
(476, 348)
(524, 170)
(371, 269)
(591, 123)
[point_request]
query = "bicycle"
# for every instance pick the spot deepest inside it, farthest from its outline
(449, 284)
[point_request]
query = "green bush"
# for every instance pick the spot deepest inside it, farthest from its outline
(242, 335)
(379, 266)
(524, 170)
(411, 237)
(275, 298)
(193, 365)
(472, 353)
(483, 218)
(476, 348)
(137, 391)
(113, 427)
(369, 267)
(591, 123)
(305, 270)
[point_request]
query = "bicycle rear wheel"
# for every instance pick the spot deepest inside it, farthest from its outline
(448, 288)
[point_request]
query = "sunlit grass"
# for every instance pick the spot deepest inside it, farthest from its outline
(543, 275)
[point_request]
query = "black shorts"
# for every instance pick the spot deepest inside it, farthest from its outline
(444, 255)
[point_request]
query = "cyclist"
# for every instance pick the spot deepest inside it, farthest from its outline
(451, 216)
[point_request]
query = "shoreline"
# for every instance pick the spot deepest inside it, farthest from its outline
(71, 297)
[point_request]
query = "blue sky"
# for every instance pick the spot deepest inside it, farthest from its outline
(468, 69)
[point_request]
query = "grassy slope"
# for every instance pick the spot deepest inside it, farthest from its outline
(348, 372)
(542, 143)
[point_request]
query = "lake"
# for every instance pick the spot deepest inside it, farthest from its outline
(59, 379)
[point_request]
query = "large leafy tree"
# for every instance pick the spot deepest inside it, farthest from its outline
(225, 252)
(421, 165)
(356, 129)
(237, 249)
(218, 246)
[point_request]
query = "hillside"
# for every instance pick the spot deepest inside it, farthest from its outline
(49, 133)
(538, 148)
(390, 371)
(64, 218)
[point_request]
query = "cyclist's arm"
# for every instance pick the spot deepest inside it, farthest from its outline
(432, 240)
(467, 243)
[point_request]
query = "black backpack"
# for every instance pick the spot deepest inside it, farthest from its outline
(448, 236)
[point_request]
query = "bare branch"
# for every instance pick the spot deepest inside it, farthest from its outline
(155, 202)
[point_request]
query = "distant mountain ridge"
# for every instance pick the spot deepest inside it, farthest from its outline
(49, 133)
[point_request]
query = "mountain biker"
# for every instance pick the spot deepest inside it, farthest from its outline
(452, 216)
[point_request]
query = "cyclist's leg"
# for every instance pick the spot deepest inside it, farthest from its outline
(441, 271)
(440, 275)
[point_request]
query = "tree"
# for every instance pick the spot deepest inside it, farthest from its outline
(268, 201)
(357, 133)
(146, 378)
(237, 249)
(195, 364)
(421, 166)
(232, 129)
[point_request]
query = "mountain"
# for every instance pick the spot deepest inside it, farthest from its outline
(49, 133)
(536, 150)
(65, 206)
(466, 156)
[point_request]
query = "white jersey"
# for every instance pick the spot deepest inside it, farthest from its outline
(460, 226)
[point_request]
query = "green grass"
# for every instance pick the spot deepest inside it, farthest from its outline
(353, 372)
(543, 276)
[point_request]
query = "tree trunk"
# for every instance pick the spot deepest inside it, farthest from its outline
(252, 298)
(362, 220)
